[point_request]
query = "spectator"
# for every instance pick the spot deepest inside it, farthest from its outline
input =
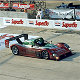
(39, 14)
(63, 5)
(33, 2)
(30, 2)
(47, 11)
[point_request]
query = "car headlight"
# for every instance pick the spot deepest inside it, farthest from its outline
(54, 54)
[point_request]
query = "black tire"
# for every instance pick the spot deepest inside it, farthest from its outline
(15, 50)
(45, 54)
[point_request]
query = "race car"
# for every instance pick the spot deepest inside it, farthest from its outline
(38, 47)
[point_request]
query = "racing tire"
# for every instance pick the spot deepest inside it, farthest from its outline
(45, 54)
(15, 50)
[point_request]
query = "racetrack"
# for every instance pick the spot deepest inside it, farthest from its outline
(26, 68)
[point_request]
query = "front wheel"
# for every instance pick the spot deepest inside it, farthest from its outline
(15, 50)
(45, 54)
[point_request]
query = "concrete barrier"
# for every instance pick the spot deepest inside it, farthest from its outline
(12, 14)
(1, 21)
(41, 23)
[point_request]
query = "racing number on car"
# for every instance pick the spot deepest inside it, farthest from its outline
(7, 43)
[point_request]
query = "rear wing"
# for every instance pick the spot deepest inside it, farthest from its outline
(17, 38)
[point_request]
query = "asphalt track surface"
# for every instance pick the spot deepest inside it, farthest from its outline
(25, 68)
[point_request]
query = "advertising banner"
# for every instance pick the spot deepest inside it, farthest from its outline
(4, 5)
(14, 21)
(60, 13)
(39, 23)
(77, 13)
(42, 23)
(22, 6)
(70, 25)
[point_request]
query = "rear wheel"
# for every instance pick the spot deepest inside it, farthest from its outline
(15, 50)
(45, 54)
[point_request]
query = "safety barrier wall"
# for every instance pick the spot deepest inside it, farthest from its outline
(12, 14)
(1, 21)
(42, 23)
(54, 24)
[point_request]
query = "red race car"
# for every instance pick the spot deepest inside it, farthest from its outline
(38, 47)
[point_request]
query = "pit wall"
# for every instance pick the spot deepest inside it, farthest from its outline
(41, 23)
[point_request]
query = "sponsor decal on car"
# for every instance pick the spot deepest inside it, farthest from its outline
(31, 22)
(46, 23)
(5, 35)
(69, 24)
(17, 21)
(7, 21)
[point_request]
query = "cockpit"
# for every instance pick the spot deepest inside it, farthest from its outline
(35, 42)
